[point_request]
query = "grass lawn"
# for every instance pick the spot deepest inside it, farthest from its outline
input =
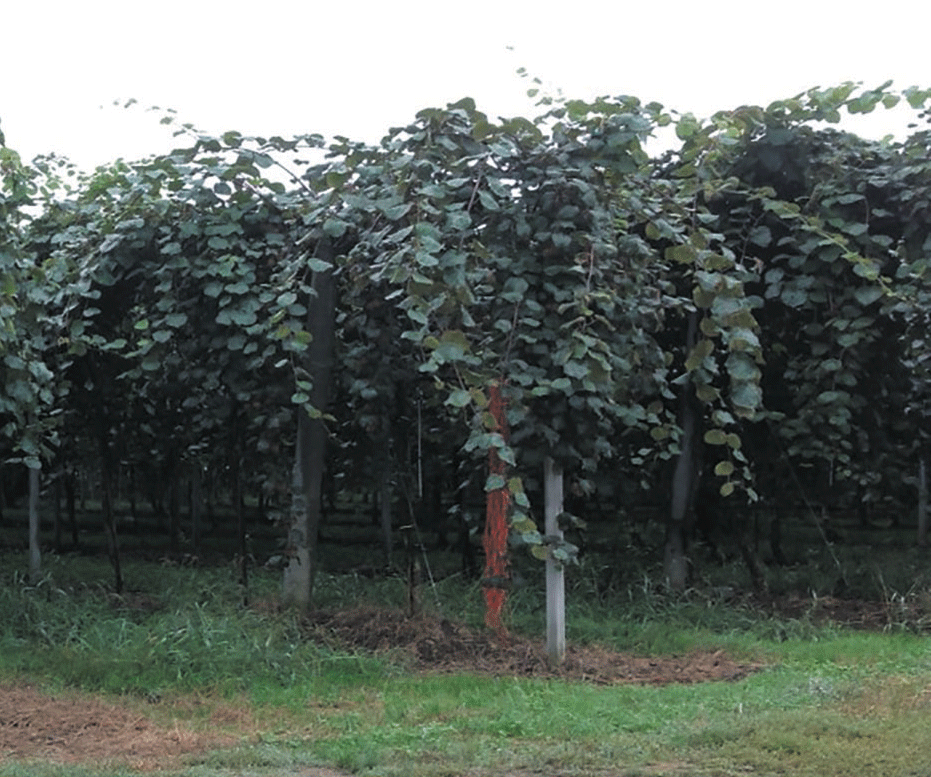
(178, 678)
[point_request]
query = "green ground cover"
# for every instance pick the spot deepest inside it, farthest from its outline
(829, 700)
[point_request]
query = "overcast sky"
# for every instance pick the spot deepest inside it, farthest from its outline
(357, 68)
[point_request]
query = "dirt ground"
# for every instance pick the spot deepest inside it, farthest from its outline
(76, 727)
(73, 727)
(431, 644)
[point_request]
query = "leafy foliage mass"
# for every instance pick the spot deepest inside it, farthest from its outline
(767, 276)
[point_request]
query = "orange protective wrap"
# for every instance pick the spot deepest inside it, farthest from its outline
(495, 538)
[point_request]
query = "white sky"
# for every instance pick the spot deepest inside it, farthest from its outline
(358, 67)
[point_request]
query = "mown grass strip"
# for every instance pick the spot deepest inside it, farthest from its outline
(831, 702)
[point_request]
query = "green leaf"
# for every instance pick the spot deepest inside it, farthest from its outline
(793, 296)
(318, 265)
(687, 126)
(718, 262)
(742, 367)
(856, 229)
(459, 398)
(848, 339)
(489, 202)
(748, 396)
(863, 267)
(514, 289)
(243, 317)
(701, 351)
(724, 468)
(705, 299)
(847, 199)
(867, 295)
(523, 525)
(393, 212)
(334, 227)
(336, 179)
(715, 437)
(458, 221)
(495, 483)
(681, 254)
(575, 369)
(706, 392)
(761, 236)
(455, 337)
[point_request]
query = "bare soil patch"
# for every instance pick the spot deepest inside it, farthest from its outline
(433, 644)
(79, 728)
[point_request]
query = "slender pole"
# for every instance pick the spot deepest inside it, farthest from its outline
(922, 502)
(35, 552)
(555, 578)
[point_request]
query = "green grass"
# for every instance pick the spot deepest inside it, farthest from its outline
(175, 630)
(831, 702)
